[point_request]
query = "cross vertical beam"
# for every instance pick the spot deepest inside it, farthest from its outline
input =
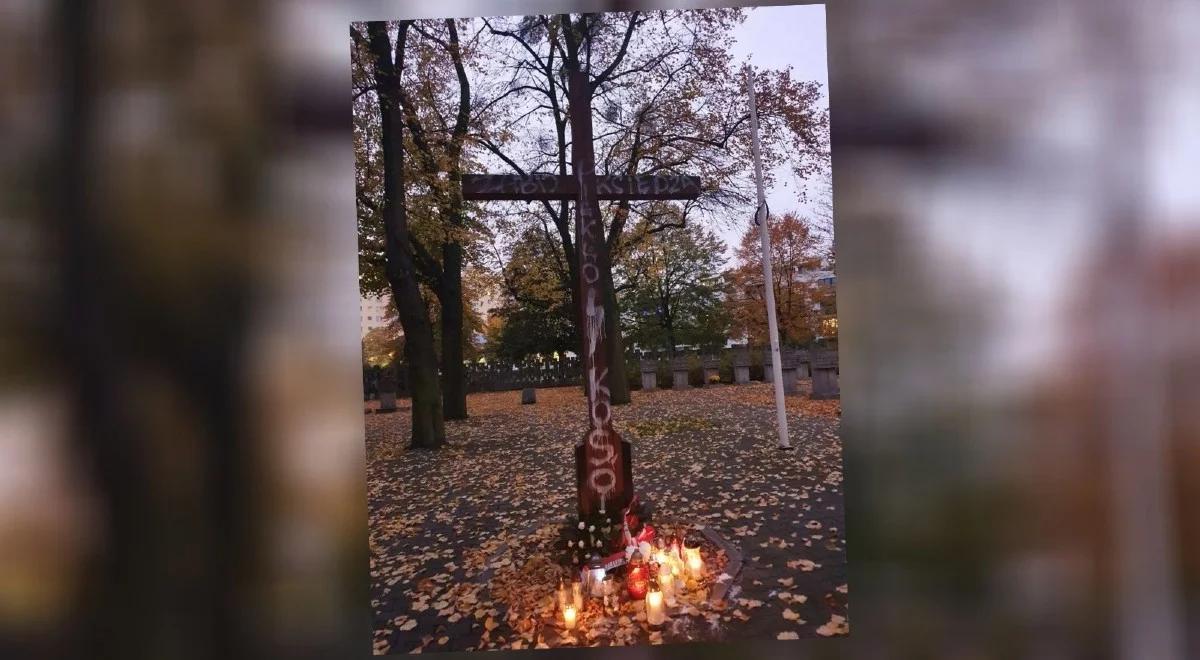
(603, 461)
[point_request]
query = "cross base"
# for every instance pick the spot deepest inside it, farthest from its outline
(616, 501)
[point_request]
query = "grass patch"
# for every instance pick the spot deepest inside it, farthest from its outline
(656, 428)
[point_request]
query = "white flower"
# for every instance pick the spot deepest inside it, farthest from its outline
(591, 528)
(581, 544)
(581, 524)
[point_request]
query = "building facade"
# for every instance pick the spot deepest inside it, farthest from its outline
(374, 312)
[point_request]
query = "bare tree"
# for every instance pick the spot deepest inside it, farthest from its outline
(666, 100)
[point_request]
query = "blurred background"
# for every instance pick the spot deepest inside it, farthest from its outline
(1018, 235)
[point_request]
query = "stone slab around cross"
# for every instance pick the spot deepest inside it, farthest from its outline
(553, 186)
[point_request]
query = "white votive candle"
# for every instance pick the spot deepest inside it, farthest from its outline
(695, 565)
(655, 613)
(597, 577)
(569, 614)
(666, 581)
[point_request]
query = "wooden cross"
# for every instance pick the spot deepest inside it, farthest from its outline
(603, 465)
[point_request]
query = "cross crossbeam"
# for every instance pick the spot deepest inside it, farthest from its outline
(558, 187)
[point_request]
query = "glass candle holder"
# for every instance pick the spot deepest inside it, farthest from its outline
(695, 565)
(564, 596)
(597, 577)
(577, 595)
(666, 582)
(655, 612)
(638, 578)
(570, 615)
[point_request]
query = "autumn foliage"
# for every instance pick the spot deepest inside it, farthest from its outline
(804, 305)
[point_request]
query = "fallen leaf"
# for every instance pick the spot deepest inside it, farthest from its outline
(835, 626)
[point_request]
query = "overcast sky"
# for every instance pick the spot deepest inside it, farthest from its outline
(775, 38)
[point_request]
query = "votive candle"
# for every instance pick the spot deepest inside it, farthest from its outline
(569, 617)
(655, 614)
(577, 595)
(564, 598)
(666, 581)
(597, 578)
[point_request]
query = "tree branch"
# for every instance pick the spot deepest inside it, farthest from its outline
(603, 77)
(426, 264)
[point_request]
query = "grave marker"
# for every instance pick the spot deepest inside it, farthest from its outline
(649, 375)
(741, 367)
(680, 371)
(825, 376)
(712, 368)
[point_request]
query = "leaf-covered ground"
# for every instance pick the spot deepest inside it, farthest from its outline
(461, 537)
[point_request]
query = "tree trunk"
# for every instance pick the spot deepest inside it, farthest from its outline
(669, 326)
(454, 374)
(427, 425)
(618, 384)
(428, 430)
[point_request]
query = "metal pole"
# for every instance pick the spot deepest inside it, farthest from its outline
(1150, 611)
(768, 278)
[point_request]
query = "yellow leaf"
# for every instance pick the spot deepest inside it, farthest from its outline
(836, 626)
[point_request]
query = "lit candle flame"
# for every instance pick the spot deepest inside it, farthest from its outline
(569, 617)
